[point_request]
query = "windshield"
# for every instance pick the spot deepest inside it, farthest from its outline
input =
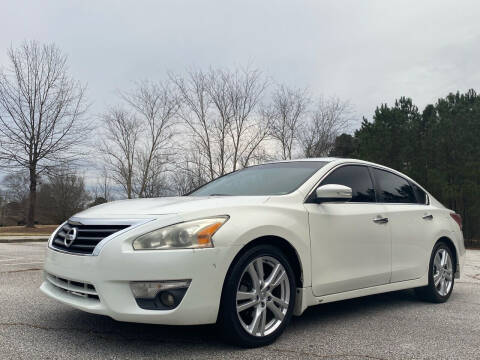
(269, 179)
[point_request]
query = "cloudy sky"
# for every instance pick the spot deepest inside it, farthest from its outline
(368, 52)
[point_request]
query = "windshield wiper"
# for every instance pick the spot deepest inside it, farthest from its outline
(219, 195)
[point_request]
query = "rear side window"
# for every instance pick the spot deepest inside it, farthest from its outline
(355, 177)
(420, 194)
(392, 188)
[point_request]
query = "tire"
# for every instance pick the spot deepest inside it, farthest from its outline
(264, 311)
(440, 281)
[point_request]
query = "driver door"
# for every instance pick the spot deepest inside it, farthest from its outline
(350, 248)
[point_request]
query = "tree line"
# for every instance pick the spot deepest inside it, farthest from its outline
(166, 137)
(161, 137)
(173, 135)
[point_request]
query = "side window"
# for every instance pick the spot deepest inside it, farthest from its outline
(356, 177)
(392, 188)
(420, 194)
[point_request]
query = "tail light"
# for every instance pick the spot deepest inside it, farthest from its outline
(457, 218)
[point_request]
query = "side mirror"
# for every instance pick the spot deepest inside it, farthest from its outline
(333, 193)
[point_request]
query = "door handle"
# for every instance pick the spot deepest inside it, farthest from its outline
(380, 220)
(427, 217)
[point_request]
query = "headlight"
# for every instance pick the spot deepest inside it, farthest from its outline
(188, 235)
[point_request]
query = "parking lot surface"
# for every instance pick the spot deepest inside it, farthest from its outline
(387, 326)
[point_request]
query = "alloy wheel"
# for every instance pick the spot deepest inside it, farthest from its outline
(263, 296)
(442, 272)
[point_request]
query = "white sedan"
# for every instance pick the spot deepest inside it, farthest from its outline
(254, 247)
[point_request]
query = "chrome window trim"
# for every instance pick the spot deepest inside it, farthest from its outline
(132, 222)
(50, 239)
(367, 165)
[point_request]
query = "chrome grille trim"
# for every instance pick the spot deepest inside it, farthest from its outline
(92, 245)
(83, 242)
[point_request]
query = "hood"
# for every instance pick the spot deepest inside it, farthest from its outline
(168, 205)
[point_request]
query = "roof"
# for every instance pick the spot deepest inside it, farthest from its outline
(326, 159)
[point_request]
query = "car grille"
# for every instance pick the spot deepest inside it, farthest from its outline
(88, 236)
(71, 287)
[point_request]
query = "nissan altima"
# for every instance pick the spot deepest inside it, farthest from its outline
(254, 247)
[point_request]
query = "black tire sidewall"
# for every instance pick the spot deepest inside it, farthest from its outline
(431, 283)
(232, 329)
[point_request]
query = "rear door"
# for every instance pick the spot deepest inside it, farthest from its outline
(350, 248)
(411, 222)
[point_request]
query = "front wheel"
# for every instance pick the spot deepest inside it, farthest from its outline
(440, 275)
(258, 297)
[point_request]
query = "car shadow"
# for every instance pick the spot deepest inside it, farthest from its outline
(206, 338)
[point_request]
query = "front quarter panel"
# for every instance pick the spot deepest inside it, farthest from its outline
(283, 220)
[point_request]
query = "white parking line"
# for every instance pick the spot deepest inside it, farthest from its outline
(10, 259)
(29, 263)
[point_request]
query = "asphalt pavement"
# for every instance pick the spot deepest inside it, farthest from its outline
(387, 326)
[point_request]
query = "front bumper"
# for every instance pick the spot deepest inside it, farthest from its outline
(111, 272)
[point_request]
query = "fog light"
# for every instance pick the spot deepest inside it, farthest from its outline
(159, 295)
(167, 299)
(150, 289)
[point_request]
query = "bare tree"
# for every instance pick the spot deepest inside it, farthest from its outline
(156, 106)
(157, 182)
(41, 108)
(3, 207)
(248, 129)
(188, 174)
(102, 191)
(15, 196)
(286, 112)
(220, 112)
(220, 121)
(195, 113)
(61, 196)
(16, 185)
(330, 118)
(119, 146)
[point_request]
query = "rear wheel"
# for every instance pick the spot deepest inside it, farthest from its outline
(440, 275)
(258, 297)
